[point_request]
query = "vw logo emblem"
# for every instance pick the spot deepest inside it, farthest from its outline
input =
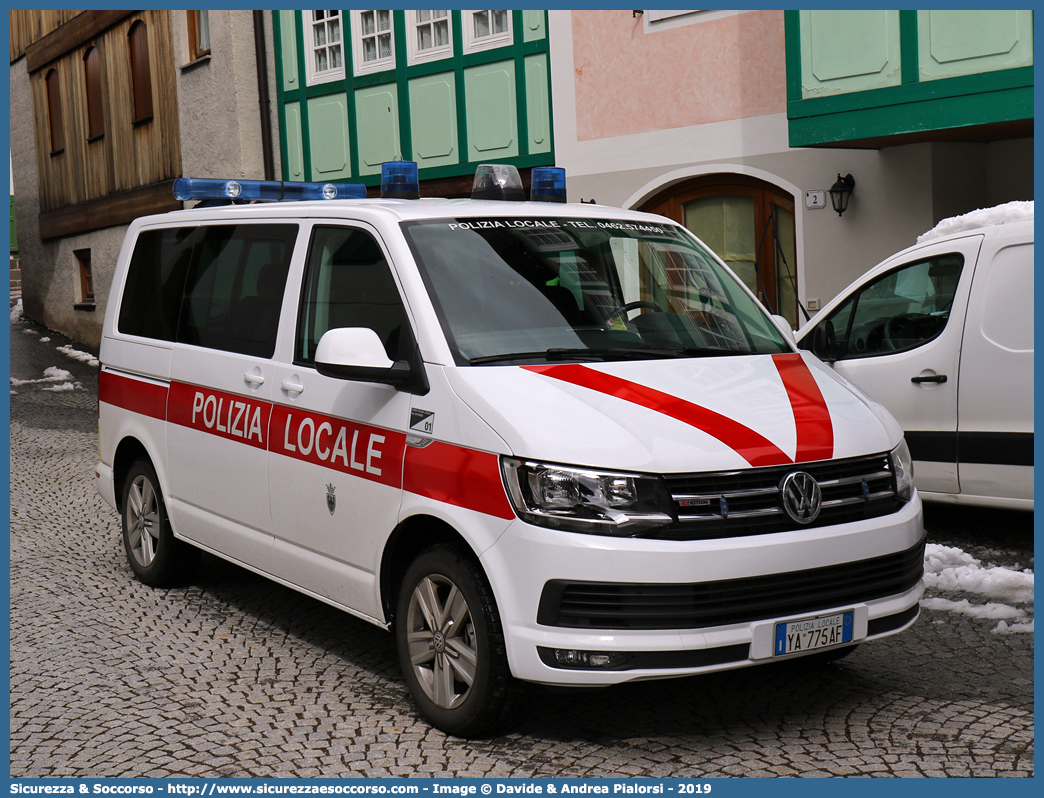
(802, 498)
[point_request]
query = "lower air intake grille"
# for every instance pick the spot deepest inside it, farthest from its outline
(698, 605)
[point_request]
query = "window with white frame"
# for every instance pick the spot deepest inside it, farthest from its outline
(324, 48)
(430, 35)
(373, 41)
(484, 30)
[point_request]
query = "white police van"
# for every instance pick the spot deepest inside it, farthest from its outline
(541, 442)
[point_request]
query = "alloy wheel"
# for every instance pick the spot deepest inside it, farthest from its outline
(441, 641)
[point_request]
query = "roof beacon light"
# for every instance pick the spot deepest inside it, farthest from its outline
(497, 181)
(548, 184)
(399, 180)
(191, 188)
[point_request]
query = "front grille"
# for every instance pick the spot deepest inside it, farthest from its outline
(698, 605)
(749, 502)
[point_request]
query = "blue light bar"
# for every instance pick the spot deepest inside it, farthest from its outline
(399, 180)
(191, 188)
(548, 184)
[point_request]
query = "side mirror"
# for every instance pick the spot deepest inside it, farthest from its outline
(824, 342)
(356, 353)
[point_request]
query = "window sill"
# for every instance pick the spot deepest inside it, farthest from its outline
(55, 153)
(84, 306)
(144, 120)
(198, 62)
(92, 139)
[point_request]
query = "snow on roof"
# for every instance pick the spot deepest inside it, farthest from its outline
(984, 217)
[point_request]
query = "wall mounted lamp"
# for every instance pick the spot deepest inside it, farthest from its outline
(840, 192)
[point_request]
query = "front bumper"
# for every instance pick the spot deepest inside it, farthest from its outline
(103, 479)
(526, 558)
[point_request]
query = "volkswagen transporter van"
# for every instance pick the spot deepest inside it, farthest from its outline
(540, 442)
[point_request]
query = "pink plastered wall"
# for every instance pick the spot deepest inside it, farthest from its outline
(628, 81)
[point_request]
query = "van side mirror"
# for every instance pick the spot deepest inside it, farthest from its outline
(824, 342)
(356, 353)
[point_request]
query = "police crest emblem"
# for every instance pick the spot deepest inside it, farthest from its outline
(331, 500)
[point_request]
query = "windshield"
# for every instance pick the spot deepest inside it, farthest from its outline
(566, 289)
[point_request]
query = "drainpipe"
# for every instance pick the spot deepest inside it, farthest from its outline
(262, 94)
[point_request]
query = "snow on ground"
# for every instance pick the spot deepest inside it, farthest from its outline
(953, 570)
(68, 351)
(984, 217)
(51, 374)
(76, 354)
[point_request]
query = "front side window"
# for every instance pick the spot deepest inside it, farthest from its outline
(348, 284)
(431, 35)
(324, 46)
(582, 290)
(900, 310)
(373, 42)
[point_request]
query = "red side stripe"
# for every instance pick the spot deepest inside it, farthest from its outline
(458, 476)
(137, 396)
(815, 433)
(754, 448)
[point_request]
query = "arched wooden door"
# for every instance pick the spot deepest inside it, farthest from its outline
(749, 224)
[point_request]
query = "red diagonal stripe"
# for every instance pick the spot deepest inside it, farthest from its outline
(755, 449)
(815, 433)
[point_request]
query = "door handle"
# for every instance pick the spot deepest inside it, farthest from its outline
(254, 379)
(291, 387)
(940, 378)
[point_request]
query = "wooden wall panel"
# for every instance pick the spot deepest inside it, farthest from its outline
(128, 157)
(29, 26)
(96, 156)
(116, 60)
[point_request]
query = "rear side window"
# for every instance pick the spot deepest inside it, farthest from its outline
(155, 282)
(219, 286)
(234, 290)
(348, 284)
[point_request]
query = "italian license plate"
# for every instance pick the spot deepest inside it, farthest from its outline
(812, 634)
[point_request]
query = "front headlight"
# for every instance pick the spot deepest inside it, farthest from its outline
(582, 500)
(902, 467)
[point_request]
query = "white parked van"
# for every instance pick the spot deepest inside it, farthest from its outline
(942, 335)
(541, 442)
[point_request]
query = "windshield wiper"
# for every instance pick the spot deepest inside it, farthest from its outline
(547, 355)
(554, 355)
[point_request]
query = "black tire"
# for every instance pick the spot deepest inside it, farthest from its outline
(457, 672)
(157, 558)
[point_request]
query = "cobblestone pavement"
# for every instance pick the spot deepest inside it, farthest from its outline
(236, 676)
